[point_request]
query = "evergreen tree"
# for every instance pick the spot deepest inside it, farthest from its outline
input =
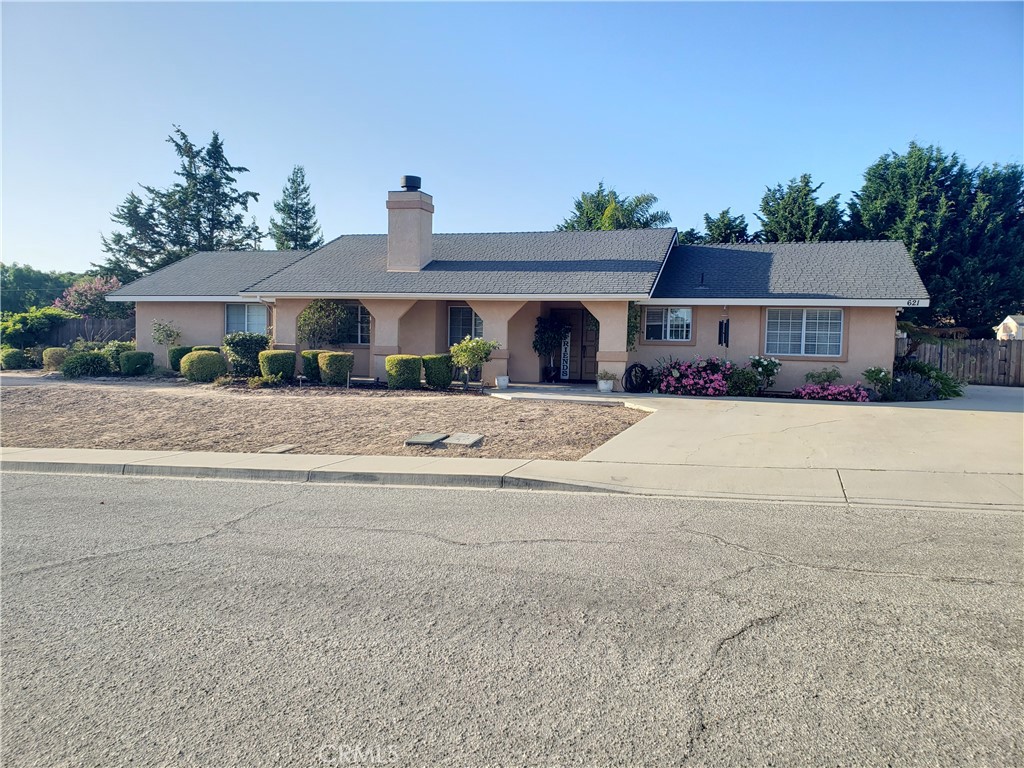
(726, 228)
(202, 211)
(792, 214)
(298, 229)
(604, 209)
(22, 286)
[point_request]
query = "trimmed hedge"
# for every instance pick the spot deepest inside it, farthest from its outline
(86, 364)
(136, 363)
(13, 360)
(54, 357)
(243, 351)
(277, 362)
(403, 371)
(437, 370)
(203, 365)
(207, 348)
(743, 382)
(311, 363)
(113, 350)
(174, 355)
(335, 367)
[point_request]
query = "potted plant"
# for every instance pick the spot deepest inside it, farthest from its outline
(547, 339)
(605, 381)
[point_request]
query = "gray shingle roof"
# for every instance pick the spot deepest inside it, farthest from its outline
(210, 273)
(497, 263)
(855, 269)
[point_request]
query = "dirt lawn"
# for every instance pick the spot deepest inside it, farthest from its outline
(170, 415)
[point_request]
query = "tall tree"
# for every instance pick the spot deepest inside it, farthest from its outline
(604, 209)
(726, 228)
(298, 229)
(87, 298)
(963, 227)
(22, 286)
(202, 211)
(792, 214)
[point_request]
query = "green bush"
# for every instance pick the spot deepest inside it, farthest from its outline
(207, 348)
(203, 365)
(13, 360)
(81, 345)
(79, 364)
(174, 355)
(335, 367)
(25, 329)
(948, 386)
(34, 356)
(243, 351)
(113, 351)
(437, 371)
(824, 377)
(135, 363)
(263, 382)
(54, 357)
(743, 382)
(274, 362)
(311, 363)
(403, 371)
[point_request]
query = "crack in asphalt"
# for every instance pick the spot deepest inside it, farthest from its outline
(469, 544)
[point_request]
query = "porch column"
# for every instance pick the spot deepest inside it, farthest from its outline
(384, 340)
(495, 316)
(612, 354)
(285, 322)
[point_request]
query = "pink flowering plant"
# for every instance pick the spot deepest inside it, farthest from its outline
(831, 391)
(702, 377)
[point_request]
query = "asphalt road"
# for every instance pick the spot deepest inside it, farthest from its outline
(163, 622)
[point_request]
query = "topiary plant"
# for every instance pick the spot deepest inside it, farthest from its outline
(174, 355)
(12, 359)
(136, 363)
(335, 367)
(203, 365)
(54, 357)
(472, 353)
(277, 362)
(243, 351)
(403, 371)
(437, 371)
(311, 363)
(207, 348)
(86, 364)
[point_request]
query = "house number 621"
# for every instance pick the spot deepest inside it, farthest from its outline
(913, 302)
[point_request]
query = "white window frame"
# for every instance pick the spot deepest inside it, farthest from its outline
(362, 325)
(666, 325)
(803, 331)
(246, 328)
(477, 324)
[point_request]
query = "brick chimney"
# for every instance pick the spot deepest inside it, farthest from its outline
(410, 227)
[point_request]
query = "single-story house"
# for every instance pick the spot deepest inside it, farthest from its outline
(811, 305)
(1011, 328)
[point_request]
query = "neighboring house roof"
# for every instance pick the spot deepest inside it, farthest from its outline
(1018, 319)
(209, 275)
(620, 263)
(858, 270)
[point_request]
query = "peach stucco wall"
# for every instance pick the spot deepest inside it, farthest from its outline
(869, 339)
(199, 322)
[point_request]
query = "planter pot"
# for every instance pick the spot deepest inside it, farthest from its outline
(605, 385)
(501, 382)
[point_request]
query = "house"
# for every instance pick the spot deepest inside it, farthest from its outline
(811, 305)
(1011, 328)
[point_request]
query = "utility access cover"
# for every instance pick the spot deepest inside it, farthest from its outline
(426, 438)
(463, 440)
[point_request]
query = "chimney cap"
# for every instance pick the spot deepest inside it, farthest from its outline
(411, 183)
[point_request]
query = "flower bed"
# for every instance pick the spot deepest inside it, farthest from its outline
(705, 378)
(853, 393)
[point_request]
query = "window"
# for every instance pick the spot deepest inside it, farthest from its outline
(668, 324)
(804, 332)
(463, 322)
(361, 330)
(251, 318)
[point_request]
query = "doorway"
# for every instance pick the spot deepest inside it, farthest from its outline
(578, 360)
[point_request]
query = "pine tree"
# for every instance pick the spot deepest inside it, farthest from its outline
(792, 214)
(726, 228)
(298, 229)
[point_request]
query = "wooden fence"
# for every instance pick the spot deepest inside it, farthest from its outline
(977, 361)
(91, 329)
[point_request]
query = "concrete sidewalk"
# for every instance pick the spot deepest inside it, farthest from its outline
(996, 491)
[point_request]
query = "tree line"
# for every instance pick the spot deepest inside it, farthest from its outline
(963, 227)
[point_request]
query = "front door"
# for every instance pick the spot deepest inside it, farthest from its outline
(577, 360)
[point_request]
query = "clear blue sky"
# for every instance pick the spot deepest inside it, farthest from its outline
(507, 111)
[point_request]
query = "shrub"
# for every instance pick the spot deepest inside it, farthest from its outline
(277, 362)
(743, 382)
(79, 364)
(113, 351)
(913, 388)
(263, 382)
(207, 348)
(243, 351)
(25, 329)
(948, 386)
(472, 353)
(852, 392)
(335, 367)
(437, 370)
(53, 358)
(203, 365)
(34, 355)
(12, 359)
(766, 368)
(136, 363)
(707, 378)
(403, 371)
(327, 321)
(81, 345)
(174, 355)
(824, 377)
(311, 363)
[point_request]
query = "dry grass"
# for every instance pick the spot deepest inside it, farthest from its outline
(156, 415)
